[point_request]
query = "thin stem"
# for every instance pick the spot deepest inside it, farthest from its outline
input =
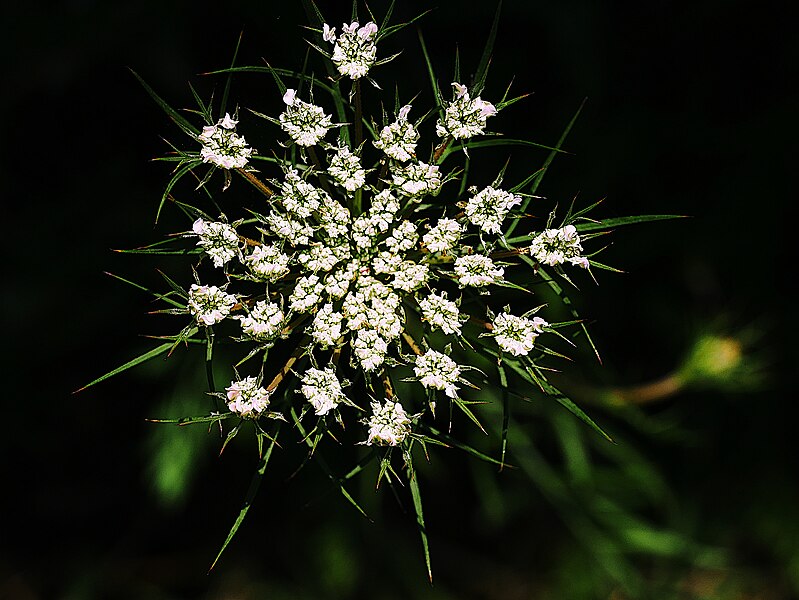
(318, 164)
(387, 385)
(508, 253)
(209, 359)
(485, 324)
(412, 343)
(440, 150)
(281, 375)
(358, 115)
(357, 204)
(257, 183)
(645, 393)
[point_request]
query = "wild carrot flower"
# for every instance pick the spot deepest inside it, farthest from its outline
(305, 123)
(389, 424)
(222, 146)
(209, 304)
(464, 117)
(557, 246)
(322, 388)
(246, 398)
(354, 50)
(516, 335)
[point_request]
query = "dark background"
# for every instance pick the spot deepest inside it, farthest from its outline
(689, 112)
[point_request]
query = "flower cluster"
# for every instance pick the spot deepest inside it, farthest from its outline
(438, 371)
(557, 246)
(322, 389)
(305, 123)
(264, 321)
(398, 140)
(246, 398)
(222, 146)
(389, 424)
(209, 304)
(516, 335)
(355, 50)
(464, 117)
(441, 313)
(489, 207)
(364, 258)
(345, 169)
(219, 240)
(372, 259)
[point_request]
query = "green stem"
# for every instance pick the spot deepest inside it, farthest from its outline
(209, 366)
(318, 164)
(358, 201)
(439, 152)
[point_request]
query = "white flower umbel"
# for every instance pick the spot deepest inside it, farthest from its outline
(338, 282)
(322, 258)
(263, 322)
(383, 210)
(326, 329)
(389, 424)
(209, 304)
(410, 276)
(305, 123)
(299, 197)
(417, 179)
(369, 349)
(354, 51)
(246, 398)
(364, 230)
(222, 146)
(306, 294)
(398, 140)
(464, 117)
(322, 389)
(477, 270)
(219, 240)
(441, 313)
(556, 246)
(386, 263)
(438, 371)
(489, 207)
(267, 262)
(345, 169)
(292, 230)
(386, 317)
(403, 238)
(516, 335)
(334, 218)
(444, 236)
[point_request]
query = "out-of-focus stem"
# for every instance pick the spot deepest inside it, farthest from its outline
(660, 389)
(644, 393)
